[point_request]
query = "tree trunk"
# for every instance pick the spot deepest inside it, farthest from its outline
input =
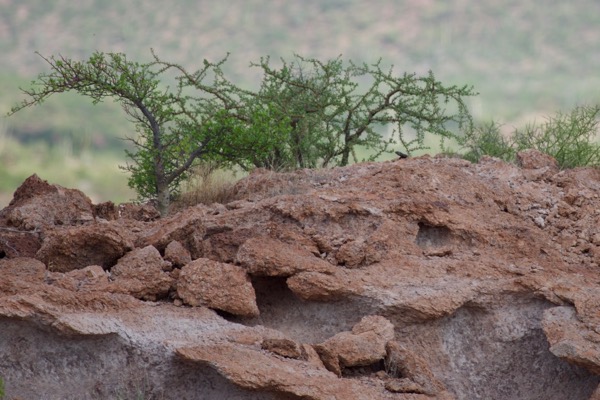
(345, 157)
(162, 186)
(163, 197)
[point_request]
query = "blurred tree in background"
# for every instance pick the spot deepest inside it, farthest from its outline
(305, 114)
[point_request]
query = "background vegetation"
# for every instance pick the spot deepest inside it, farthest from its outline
(526, 59)
(571, 138)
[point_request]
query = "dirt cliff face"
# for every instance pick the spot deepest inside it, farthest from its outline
(424, 278)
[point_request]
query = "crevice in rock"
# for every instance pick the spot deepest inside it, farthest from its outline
(366, 370)
(496, 349)
(434, 236)
(282, 310)
(227, 316)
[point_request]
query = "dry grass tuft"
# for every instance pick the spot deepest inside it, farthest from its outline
(207, 185)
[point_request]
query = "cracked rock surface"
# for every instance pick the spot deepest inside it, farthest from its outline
(421, 278)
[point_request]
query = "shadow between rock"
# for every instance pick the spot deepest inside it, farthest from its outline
(303, 321)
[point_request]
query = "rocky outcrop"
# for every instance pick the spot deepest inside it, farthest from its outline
(421, 278)
(37, 204)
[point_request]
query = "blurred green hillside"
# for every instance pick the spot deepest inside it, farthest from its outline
(525, 59)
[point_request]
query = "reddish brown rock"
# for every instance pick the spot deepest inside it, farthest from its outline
(316, 286)
(177, 255)
(37, 205)
(413, 370)
(141, 273)
(23, 267)
(570, 338)
(140, 212)
(283, 347)
(534, 159)
(265, 256)
(365, 345)
(186, 227)
(93, 277)
(217, 285)
(72, 248)
(488, 273)
(259, 371)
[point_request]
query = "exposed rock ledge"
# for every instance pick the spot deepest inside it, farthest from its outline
(424, 278)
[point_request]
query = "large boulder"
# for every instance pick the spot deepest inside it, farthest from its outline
(36, 205)
(142, 273)
(363, 346)
(217, 285)
(80, 246)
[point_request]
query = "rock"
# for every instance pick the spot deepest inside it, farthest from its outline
(139, 212)
(570, 339)
(107, 210)
(534, 159)
(177, 255)
(259, 371)
(217, 285)
(186, 227)
(37, 205)
(141, 273)
(264, 256)
(426, 278)
(283, 347)
(316, 286)
(415, 373)
(77, 247)
(363, 346)
(404, 385)
(23, 268)
(92, 278)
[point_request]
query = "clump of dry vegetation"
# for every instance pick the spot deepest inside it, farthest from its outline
(207, 185)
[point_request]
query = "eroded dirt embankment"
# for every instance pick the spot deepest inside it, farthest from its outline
(413, 279)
